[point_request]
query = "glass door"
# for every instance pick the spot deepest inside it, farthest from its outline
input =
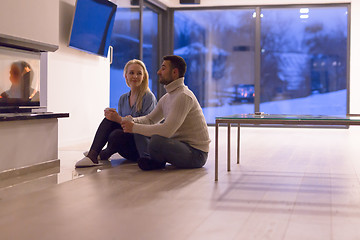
(134, 37)
(126, 46)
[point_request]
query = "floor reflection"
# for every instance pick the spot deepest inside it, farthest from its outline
(19, 186)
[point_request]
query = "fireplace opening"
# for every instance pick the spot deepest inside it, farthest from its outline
(19, 80)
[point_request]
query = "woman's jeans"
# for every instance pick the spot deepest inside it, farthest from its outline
(117, 141)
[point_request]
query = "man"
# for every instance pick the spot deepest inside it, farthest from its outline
(182, 139)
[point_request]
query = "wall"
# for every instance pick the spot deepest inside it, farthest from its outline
(36, 20)
(78, 83)
(355, 58)
(73, 81)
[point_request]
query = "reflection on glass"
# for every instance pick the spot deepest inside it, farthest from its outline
(303, 62)
(125, 41)
(150, 46)
(19, 78)
(218, 47)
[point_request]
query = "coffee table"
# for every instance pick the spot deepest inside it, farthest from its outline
(273, 120)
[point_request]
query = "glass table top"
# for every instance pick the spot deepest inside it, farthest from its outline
(290, 117)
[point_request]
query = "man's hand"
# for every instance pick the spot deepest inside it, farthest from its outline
(112, 115)
(127, 126)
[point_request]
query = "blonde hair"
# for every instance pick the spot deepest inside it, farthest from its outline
(144, 86)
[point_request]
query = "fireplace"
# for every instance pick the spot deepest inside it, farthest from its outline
(19, 80)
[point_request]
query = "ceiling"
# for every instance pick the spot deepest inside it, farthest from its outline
(203, 3)
(214, 3)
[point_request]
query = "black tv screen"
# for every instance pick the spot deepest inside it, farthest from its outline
(92, 26)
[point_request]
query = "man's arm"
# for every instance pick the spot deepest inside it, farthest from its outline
(180, 109)
(153, 117)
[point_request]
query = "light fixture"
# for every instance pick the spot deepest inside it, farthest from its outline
(134, 3)
(304, 10)
(254, 15)
(189, 1)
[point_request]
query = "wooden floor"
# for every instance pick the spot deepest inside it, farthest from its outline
(291, 184)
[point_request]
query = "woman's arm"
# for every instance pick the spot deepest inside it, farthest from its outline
(112, 115)
(149, 103)
(123, 100)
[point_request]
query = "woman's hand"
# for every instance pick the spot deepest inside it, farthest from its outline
(112, 115)
(127, 126)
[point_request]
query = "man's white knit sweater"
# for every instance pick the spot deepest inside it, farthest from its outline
(184, 119)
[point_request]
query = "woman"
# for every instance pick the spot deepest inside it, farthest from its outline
(139, 101)
(21, 77)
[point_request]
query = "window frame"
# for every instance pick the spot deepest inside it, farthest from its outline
(257, 66)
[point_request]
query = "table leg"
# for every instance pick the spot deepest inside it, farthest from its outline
(229, 143)
(216, 150)
(238, 144)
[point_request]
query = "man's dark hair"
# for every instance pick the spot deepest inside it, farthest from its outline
(177, 62)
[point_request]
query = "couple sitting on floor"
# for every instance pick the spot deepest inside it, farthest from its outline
(172, 131)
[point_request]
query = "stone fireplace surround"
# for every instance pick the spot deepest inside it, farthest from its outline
(29, 141)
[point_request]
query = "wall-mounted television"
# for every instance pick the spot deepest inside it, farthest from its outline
(92, 26)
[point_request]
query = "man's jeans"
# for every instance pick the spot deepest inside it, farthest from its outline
(162, 149)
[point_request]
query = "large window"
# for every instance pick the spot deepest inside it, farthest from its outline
(218, 46)
(302, 59)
